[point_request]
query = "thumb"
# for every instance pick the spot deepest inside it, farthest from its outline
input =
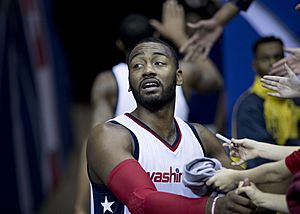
(199, 24)
(210, 181)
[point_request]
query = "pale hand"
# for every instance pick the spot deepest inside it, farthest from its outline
(224, 180)
(244, 148)
(206, 34)
(283, 87)
(172, 25)
(293, 61)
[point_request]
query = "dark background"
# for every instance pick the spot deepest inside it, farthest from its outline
(88, 32)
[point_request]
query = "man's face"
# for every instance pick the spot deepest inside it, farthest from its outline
(153, 75)
(266, 55)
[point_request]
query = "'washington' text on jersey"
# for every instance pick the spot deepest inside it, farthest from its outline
(166, 177)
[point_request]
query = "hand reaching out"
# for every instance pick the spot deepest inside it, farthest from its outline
(172, 26)
(224, 180)
(245, 149)
(206, 34)
(284, 87)
(250, 190)
(293, 61)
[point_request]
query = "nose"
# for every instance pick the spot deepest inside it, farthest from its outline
(149, 70)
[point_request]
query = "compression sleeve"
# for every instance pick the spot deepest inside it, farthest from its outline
(132, 186)
(293, 162)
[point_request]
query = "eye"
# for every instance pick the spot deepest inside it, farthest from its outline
(159, 63)
(137, 66)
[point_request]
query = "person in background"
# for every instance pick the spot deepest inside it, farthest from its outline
(259, 116)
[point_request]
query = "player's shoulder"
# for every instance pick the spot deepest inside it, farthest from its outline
(203, 132)
(109, 128)
(206, 136)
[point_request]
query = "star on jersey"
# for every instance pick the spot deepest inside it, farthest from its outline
(107, 205)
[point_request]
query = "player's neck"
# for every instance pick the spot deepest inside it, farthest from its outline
(162, 121)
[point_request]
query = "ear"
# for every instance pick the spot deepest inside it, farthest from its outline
(179, 79)
(120, 45)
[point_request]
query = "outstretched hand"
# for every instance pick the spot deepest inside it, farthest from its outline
(172, 25)
(284, 87)
(250, 190)
(206, 34)
(244, 148)
(224, 180)
(293, 61)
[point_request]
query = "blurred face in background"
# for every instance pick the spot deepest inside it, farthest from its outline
(266, 55)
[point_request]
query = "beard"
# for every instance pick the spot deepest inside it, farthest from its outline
(155, 102)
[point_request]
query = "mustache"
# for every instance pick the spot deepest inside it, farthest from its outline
(149, 80)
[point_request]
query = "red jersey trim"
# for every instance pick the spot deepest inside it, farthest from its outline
(174, 145)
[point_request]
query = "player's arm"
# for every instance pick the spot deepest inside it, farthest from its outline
(110, 162)
(103, 97)
(213, 147)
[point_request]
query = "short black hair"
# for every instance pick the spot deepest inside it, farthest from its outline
(264, 40)
(133, 28)
(155, 40)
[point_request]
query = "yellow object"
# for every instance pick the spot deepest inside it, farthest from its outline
(281, 115)
(237, 159)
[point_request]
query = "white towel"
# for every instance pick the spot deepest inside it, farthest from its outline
(197, 172)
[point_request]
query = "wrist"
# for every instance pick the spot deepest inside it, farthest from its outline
(261, 150)
(213, 205)
(238, 176)
(216, 205)
(225, 14)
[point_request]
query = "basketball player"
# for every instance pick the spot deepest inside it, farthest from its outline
(135, 161)
(110, 96)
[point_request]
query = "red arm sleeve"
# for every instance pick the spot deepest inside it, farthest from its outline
(130, 184)
(293, 162)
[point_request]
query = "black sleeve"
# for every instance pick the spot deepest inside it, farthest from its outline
(242, 4)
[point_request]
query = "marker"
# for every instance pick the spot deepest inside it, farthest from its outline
(225, 139)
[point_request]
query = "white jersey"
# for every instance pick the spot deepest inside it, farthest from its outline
(164, 163)
(126, 102)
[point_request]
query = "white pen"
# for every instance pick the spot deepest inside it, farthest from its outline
(225, 139)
